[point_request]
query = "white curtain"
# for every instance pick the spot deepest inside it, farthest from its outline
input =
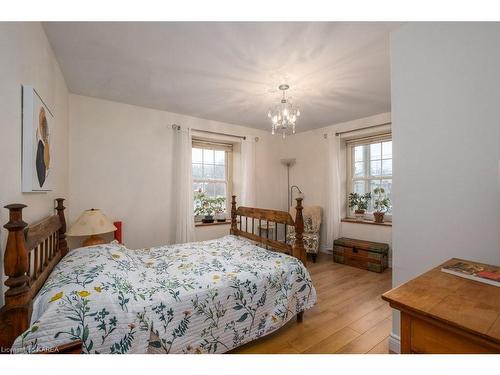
(248, 182)
(183, 186)
(333, 206)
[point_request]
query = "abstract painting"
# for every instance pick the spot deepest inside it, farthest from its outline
(36, 164)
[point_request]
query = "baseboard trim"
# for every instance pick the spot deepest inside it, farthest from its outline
(326, 250)
(394, 344)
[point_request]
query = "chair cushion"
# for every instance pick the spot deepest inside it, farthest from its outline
(312, 217)
(308, 225)
(311, 241)
(312, 225)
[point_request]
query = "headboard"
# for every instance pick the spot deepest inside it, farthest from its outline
(31, 254)
(260, 219)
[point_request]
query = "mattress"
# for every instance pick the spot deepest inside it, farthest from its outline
(201, 297)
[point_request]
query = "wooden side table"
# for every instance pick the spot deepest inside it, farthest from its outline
(447, 314)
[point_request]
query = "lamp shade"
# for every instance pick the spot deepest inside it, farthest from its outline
(91, 222)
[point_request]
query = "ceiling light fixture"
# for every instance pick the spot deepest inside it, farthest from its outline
(284, 115)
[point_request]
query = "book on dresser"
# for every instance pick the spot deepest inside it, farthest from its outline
(474, 271)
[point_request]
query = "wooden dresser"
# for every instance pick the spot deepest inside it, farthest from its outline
(443, 313)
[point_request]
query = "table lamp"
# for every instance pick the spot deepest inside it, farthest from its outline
(91, 223)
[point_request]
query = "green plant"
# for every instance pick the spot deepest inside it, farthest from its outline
(219, 204)
(208, 206)
(381, 203)
(358, 201)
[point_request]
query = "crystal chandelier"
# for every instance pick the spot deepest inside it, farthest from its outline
(284, 115)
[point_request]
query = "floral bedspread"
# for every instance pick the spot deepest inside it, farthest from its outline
(201, 297)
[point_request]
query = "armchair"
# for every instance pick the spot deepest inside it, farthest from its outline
(312, 227)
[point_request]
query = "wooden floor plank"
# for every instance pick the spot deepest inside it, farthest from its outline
(368, 340)
(334, 342)
(349, 316)
(381, 348)
(371, 319)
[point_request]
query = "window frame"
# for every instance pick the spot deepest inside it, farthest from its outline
(350, 159)
(228, 166)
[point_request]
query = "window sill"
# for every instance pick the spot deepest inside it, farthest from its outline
(199, 224)
(370, 222)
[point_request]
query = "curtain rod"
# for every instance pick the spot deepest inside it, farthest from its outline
(177, 127)
(366, 127)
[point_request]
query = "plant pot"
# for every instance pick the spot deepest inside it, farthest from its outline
(359, 214)
(379, 217)
(220, 217)
(208, 219)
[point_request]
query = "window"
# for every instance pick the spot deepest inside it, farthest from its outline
(211, 169)
(369, 166)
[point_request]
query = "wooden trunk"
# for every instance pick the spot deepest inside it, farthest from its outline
(372, 256)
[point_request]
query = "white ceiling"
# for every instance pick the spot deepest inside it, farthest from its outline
(230, 71)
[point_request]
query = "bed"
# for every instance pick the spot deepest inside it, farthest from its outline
(201, 297)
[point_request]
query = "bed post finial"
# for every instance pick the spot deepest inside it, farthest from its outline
(15, 315)
(16, 254)
(298, 249)
(63, 245)
(233, 215)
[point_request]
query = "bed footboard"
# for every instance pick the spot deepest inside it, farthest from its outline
(255, 224)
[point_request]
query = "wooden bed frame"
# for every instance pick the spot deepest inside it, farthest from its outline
(33, 251)
(30, 255)
(240, 227)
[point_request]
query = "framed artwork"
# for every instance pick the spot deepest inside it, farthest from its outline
(36, 156)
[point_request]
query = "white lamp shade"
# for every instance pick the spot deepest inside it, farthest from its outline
(91, 222)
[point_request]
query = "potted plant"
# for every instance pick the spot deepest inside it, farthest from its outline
(203, 207)
(197, 197)
(220, 209)
(197, 202)
(381, 204)
(359, 203)
(207, 206)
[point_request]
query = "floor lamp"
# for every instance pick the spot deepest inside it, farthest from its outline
(289, 163)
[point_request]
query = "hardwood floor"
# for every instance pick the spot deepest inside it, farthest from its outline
(349, 316)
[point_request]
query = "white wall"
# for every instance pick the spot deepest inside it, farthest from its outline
(121, 161)
(210, 232)
(27, 58)
(310, 149)
(446, 136)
